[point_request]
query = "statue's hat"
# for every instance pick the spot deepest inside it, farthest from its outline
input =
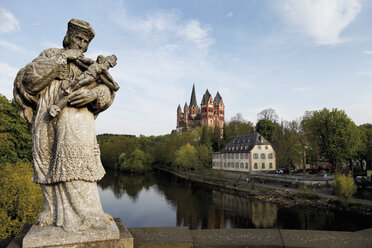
(80, 26)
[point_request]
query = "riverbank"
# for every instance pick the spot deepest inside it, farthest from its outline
(284, 196)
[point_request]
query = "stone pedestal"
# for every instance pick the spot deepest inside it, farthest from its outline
(116, 236)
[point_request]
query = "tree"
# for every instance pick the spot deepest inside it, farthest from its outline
(216, 139)
(289, 151)
(268, 114)
(186, 157)
(236, 126)
(15, 133)
(20, 199)
(204, 154)
(267, 128)
(336, 135)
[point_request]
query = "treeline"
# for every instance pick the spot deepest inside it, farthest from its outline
(324, 135)
(188, 150)
(20, 199)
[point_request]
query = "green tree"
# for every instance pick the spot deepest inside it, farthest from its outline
(204, 154)
(336, 135)
(20, 199)
(289, 147)
(186, 157)
(267, 128)
(216, 139)
(236, 126)
(136, 162)
(344, 187)
(15, 133)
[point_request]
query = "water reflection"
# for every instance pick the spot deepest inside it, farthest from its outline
(161, 199)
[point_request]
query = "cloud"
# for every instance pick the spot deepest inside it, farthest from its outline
(7, 76)
(168, 27)
(230, 14)
(322, 20)
(8, 22)
(9, 45)
(367, 52)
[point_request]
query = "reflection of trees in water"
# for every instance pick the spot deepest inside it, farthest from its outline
(263, 214)
(120, 183)
(245, 212)
(198, 205)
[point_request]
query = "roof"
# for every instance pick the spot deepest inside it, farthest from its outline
(193, 97)
(245, 143)
(206, 96)
(217, 98)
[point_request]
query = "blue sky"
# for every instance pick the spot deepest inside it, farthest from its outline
(292, 56)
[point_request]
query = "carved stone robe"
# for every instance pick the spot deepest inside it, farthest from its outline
(66, 156)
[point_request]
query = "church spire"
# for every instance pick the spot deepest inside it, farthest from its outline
(193, 97)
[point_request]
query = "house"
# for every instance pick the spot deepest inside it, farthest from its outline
(246, 153)
(211, 112)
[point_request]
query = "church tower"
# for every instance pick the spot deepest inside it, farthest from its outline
(219, 111)
(206, 115)
(193, 107)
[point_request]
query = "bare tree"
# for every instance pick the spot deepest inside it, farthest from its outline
(268, 114)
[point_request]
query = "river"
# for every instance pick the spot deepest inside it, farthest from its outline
(162, 199)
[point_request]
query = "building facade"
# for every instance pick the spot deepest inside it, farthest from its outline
(246, 153)
(211, 112)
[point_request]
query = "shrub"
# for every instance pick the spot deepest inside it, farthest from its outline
(20, 199)
(344, 187)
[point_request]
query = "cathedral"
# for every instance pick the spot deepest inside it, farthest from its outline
(211, 112)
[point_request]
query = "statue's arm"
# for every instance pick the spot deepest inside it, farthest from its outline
(104, 99)
(49, 65)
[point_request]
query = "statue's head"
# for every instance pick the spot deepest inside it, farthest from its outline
(79, 34)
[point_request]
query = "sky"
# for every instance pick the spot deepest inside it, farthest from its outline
(292, 56)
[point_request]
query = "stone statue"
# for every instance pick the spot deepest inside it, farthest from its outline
(66, 156)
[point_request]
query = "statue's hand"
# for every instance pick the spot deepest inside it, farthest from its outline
(82, 97)
(73, 54)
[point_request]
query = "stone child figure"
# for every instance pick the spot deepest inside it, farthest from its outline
(66, 157)
(97, 70)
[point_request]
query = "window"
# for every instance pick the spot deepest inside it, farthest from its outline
(263, 156)
(246, 165)
(270, 165)
(228, 165)
(270, 156)
(237, 165)
(255, 166)
(246, 147)
(236, 155)
(242, 165)
(255, 156)
(233, 148)
(246, 155)
(224, 164)
(263, 165)
(267, 147)
(241, 155)
(224, 155)
(259, 147)
(241, 147)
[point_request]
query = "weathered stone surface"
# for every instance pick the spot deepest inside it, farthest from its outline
(172, 237)
(61, 93)
(324, 239)
(125, 240)
(236, 238)
(54, 236)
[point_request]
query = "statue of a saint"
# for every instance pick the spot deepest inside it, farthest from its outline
(66, 156)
